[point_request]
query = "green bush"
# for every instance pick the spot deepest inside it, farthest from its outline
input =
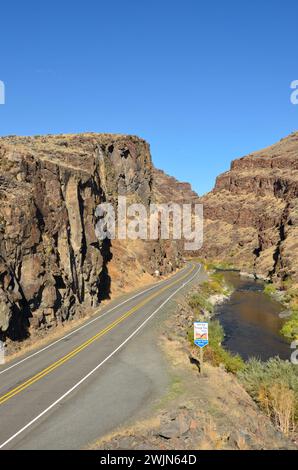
(290, 327)
(215, 352)
(232, 362)
(200, 302)
(270, 289)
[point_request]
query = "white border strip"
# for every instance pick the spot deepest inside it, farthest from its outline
(98, 366)
(84, 325)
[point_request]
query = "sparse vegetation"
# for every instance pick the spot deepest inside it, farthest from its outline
(224, 265)
(273, 384)
(201, 306)
(290, 328)
(274, 387)
(270, 289)
(200, 302)
(289, 296)
(215, 352)
(210, 265)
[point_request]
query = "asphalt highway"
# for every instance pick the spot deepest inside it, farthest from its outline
(85, 384)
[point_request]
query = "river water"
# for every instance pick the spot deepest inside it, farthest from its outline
(251, 320)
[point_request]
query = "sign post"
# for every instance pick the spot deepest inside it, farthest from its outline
(201, 338)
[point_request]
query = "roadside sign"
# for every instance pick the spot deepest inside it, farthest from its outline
(201, 334)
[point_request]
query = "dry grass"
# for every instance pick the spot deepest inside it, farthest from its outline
(212, 439)
(141, 427)
(279, 404)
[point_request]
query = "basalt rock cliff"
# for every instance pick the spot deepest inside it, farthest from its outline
(54, 268)
(52, 265)
(251, 216)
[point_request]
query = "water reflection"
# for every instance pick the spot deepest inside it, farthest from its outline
(251, 321)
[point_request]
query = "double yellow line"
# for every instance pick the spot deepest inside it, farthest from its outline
(80, 348)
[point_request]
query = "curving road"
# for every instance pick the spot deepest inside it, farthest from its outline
(67, 394)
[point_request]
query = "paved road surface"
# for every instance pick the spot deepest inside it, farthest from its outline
(95, 378)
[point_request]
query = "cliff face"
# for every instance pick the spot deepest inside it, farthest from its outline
(168, 189)
(52, 265)
(251, 215)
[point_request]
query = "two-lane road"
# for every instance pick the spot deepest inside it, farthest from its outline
(83, 385)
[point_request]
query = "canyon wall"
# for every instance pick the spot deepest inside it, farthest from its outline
(251, 215)
(52, 266)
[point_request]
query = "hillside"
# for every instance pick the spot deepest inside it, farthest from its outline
(251, 215)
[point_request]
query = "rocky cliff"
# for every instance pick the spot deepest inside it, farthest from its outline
(251, 215)
(168, 189)
(52, 266)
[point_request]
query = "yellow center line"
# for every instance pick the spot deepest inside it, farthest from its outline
(84, 345)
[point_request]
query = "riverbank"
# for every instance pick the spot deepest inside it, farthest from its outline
(251, 320)
(207, 410)
(288, 296)
(286, 292)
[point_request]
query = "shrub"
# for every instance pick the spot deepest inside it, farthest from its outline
(274, 386)
(215, 352)
(199, 302)
(287, 283)
(291, 298)
(279, 404)
(290, 327)
(270, 289)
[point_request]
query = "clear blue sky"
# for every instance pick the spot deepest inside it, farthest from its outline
(203, 82)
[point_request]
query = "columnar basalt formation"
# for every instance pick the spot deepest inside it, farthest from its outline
(52, 266)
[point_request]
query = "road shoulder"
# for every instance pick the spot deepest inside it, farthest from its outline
(195, 411)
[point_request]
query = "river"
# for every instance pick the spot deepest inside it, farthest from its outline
(251, 320)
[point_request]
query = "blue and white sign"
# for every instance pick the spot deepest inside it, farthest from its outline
(201, 338)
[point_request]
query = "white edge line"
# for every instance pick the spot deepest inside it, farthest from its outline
(81, 327)
(98, 366)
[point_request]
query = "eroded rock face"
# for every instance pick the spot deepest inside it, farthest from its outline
(51, 261)
(169, 189)
(251, 215)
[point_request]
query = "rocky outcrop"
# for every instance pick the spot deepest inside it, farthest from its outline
(251, 215)
(168, 189)
(51, 263)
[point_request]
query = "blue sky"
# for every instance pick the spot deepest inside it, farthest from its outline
(203, 82)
